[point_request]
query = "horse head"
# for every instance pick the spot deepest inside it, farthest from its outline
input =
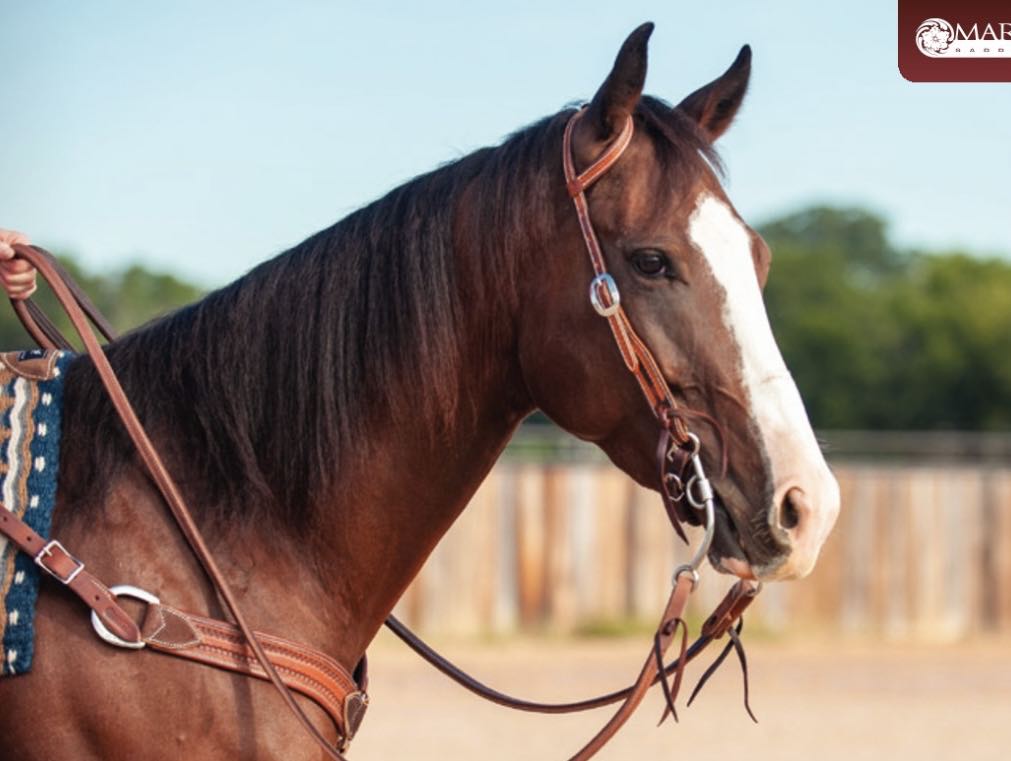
(690, 274)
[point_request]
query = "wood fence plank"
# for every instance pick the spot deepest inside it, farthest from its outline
(1002, 552)
(560, 592)
(506, 613)
(917, 551)
(530, 543)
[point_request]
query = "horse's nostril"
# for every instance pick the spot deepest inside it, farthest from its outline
(789, 514)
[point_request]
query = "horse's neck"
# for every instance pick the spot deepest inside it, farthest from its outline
(409, 479)
(370, 532)
(394, 505)
(391, 512)
(391, 509)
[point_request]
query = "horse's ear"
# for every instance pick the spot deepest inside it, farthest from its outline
(620, 93)
(714, 106)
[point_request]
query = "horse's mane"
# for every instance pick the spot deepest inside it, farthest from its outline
(262, 389)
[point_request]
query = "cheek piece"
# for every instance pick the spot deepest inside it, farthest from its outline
(682, 476)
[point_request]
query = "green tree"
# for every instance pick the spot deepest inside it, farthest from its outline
(952, 365)
(823, 298)
(882, 338)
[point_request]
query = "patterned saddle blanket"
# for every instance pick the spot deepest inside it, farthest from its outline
(31, 403)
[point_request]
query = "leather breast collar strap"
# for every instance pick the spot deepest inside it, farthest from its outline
(197, 638)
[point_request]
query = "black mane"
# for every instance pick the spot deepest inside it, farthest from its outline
(262, 389)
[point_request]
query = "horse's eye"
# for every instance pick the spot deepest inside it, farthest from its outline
(652, 264)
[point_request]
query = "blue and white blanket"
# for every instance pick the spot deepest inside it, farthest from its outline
(31, 397)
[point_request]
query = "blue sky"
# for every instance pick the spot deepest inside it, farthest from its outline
(204, 137)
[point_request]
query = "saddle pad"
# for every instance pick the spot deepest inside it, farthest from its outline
(31, 395)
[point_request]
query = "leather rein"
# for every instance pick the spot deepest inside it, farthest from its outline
(290, 666)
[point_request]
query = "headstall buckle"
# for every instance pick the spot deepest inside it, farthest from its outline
(613, 304)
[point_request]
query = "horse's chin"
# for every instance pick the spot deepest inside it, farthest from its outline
(733, 566)
(726, 554)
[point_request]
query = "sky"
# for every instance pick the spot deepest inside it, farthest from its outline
(201, 138)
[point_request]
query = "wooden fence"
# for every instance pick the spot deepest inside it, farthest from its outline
(919, 551)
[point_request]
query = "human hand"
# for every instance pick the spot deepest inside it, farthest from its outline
(16, 275)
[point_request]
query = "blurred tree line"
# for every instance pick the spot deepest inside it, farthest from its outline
(876, 337)
(128, 298)
(882, 338)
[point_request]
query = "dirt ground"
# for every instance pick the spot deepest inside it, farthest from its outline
(823, 701)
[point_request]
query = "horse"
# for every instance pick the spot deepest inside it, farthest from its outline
(330, 413)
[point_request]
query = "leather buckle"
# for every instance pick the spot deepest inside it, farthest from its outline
(604, 284)
(55, 553)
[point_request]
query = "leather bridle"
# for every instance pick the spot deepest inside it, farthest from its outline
(289, 665)
(604, 294)
(679, 473)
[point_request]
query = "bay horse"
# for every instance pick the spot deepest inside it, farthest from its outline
(331, 412)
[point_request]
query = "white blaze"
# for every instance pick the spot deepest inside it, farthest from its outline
(773, 398)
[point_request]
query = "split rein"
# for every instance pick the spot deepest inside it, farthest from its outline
(290, 666)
